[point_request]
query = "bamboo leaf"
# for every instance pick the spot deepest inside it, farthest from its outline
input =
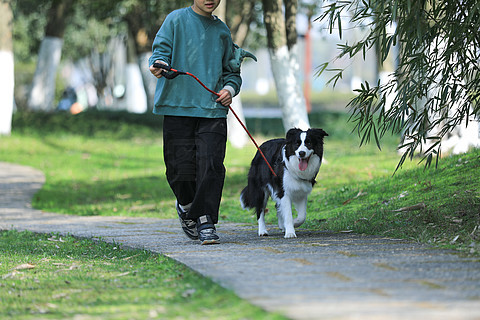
(339, 18)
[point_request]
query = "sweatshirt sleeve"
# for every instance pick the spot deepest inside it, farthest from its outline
(232, 79)
(163, 43)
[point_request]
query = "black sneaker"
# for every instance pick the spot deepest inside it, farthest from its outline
(189, 226)
(208, 236)
(206, 230)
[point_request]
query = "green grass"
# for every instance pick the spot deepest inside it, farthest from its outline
(53, 277)
(432, 206)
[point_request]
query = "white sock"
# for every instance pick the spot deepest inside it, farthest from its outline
(185, 207)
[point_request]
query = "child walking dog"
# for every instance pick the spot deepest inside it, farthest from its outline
(195, 127)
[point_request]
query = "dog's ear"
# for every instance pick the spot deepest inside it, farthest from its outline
(318, 132)
(292, 133)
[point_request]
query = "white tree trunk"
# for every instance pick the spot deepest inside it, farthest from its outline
(6, 91)
(465, 135)
(236, 133)
(289, 92)
(149, 80)
(136, 98)
(387, 77)
(42, 93)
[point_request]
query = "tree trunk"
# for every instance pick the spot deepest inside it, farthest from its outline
(149, 80)
(143, 34)
(291, 22)
(465, 135)
(42, 93)
(236, 134)
(135, 95)
(284, 61)
(465, 132)
(6, 65)
(239, 24)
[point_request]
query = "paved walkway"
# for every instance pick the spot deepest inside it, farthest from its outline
(319, 275)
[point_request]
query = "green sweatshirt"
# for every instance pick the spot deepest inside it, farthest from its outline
(202, 46)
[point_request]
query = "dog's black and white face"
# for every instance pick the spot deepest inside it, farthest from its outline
(304, 150)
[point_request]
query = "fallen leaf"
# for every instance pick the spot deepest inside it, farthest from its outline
(11, 274)
(188, 293)
(361, 219)
(24, 266)
(144, 207)
(359, 194)
(128, 258)
(402, 195)
(417, 206)
(62, 295)
(454, 239)
(316, 244)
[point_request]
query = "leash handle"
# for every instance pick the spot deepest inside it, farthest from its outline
(162, 66)
(173, 73)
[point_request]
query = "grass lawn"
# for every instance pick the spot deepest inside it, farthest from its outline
(53, 277)
(111, 164)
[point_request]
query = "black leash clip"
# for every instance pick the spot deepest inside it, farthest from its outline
(167, 71)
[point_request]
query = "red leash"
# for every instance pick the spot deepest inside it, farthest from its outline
(173, 73)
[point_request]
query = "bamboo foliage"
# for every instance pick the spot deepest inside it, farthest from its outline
(436, 82)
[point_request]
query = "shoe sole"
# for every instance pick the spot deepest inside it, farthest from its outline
(213, 241)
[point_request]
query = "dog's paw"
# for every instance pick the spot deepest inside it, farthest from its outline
(262, 232)
(289, 235)
(298, 222)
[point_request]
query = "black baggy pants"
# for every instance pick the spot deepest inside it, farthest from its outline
(194, 151)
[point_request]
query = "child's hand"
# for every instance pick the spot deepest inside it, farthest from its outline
(225, 97)
(157, 72)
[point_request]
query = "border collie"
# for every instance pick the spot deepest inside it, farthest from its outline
(296, 161)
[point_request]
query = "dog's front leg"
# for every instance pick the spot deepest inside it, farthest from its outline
(301, 207)
(286, 213)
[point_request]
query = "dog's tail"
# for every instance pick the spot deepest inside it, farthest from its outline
(246, 199)
(253, 198)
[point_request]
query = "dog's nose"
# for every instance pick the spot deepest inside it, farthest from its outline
(302, 154)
